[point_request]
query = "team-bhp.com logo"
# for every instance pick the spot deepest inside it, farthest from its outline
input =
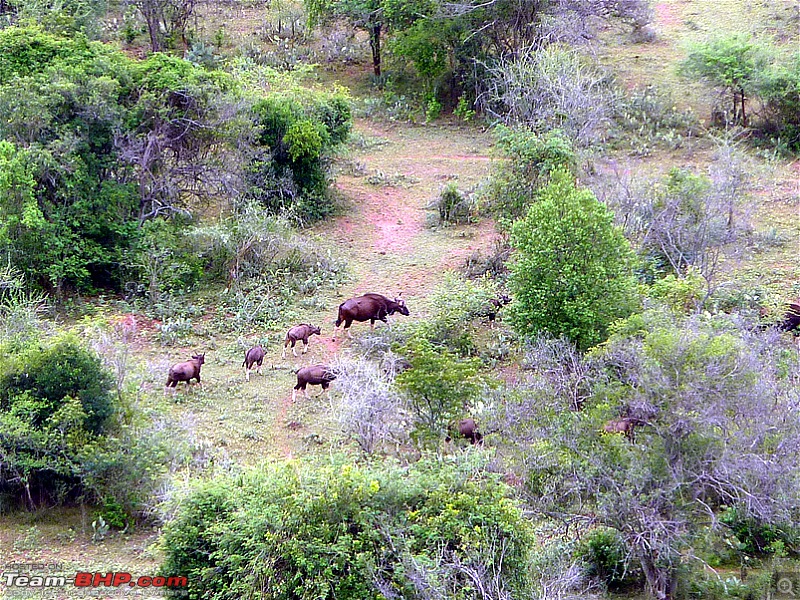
(91, 580)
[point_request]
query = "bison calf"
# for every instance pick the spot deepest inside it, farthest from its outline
(624, 426)
(494, 305)
(185, 371)
(468, 429)
(791, 319)
(254, 356)
(299, 332)
(313, 375)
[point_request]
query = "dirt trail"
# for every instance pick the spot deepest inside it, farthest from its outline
(384, 236)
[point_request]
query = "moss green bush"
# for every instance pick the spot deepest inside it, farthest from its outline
(298, 130)
(339, 531)
(571, 271)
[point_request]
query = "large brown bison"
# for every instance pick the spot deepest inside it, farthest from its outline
(254, 356)
(313, 375)
(185, 371)
(299, 332)
(369, 307)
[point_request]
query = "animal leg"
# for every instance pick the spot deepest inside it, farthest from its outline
(247, 374)
(283, 354)
(305, 347)
(294, 395)
(294, 351)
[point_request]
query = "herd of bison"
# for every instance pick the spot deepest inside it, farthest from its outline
(372, 307)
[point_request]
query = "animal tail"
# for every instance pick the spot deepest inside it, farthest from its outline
(244, 362)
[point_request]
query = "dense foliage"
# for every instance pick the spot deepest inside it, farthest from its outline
(335, 530)
(441, 388)
(91, 139)
(571, 271)
(54, 401)
(715, 422)
(296, 132)
(93, 144)
(532, 159)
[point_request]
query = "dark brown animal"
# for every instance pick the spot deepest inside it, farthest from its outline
(369, 307)
(299, 332)
(494, 305)
(254, 356)
(791, 319)
(185, 371)
(625, 426)
(468, 428)
(313, 375)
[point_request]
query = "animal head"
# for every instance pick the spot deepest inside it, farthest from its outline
(200, 358)
(313, 329)
(401, 306)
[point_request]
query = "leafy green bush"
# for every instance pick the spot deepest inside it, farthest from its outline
(53, 401)
(571, 271)
(759, 538)
(43, 378)
(779, 89)
(339, 531)
(441, 388)
(66, 437)
(710, 587)
(167, 260)
(297, 133)
(683, 294)
(607, 559)
(452, 206)
(532, 159)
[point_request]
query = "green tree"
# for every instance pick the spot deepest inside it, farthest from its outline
(531, 160)
(441, 388)
(367, 15)
(297, 132)
(571, 271)
(731, 65)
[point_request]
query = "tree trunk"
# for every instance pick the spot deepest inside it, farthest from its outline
(744, 115)
(151, 18)
(375, 44)
(661, 581)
